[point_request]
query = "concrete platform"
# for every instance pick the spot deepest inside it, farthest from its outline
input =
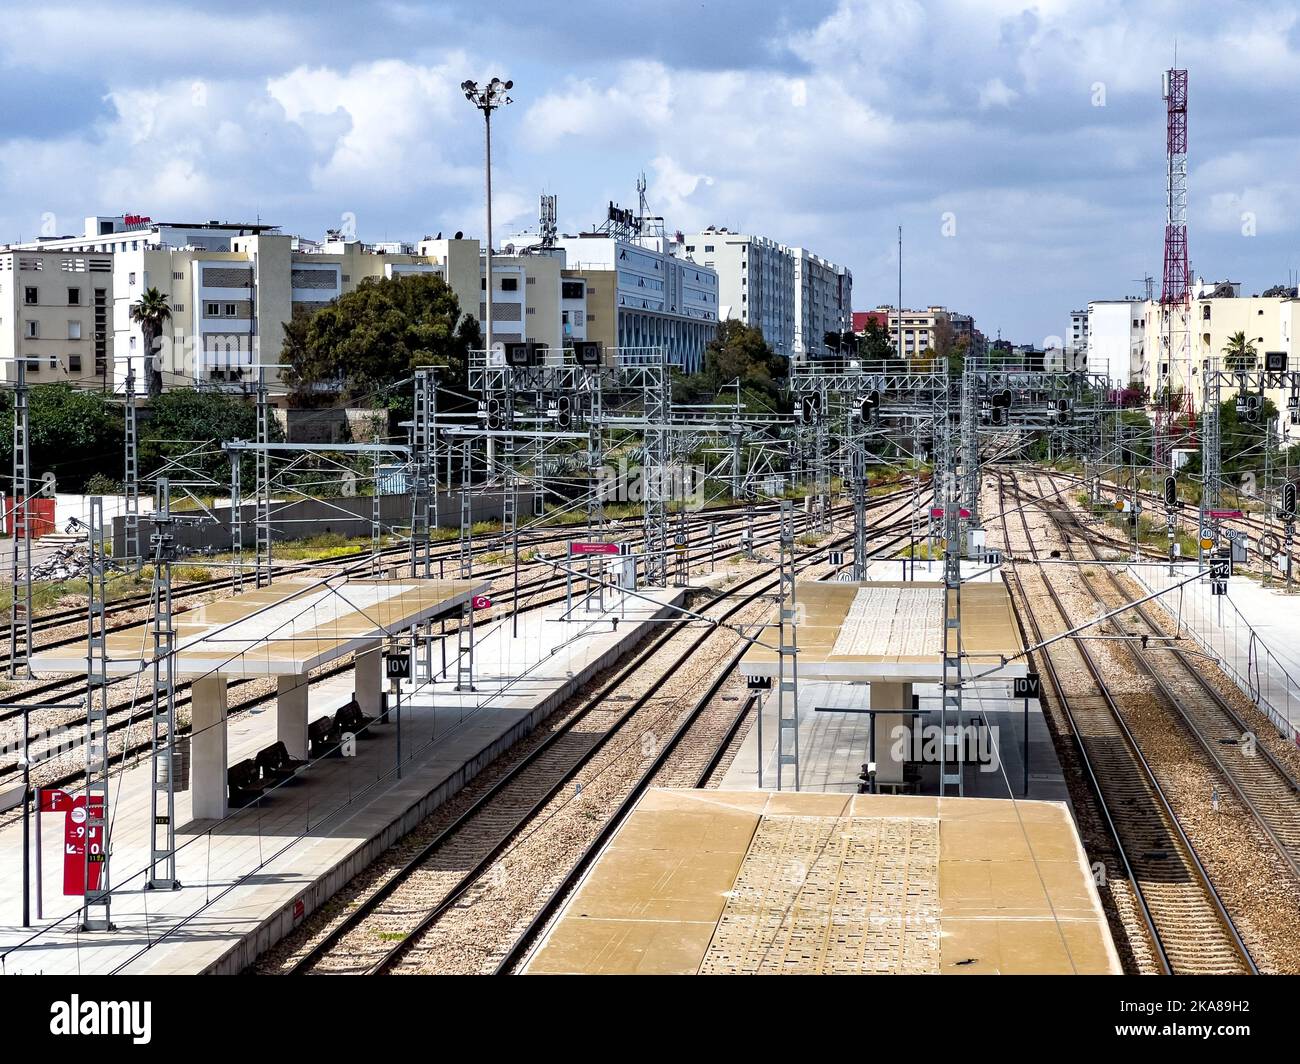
(1267, 666)
(720, 882)
(250, 878)
(840, 695)
(835, 736)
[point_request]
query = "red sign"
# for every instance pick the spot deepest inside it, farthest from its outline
(1230, 514)
(480, 602)
(54, 801)
(81, 844)
(593, 548)
(136, 219)
(937, 511)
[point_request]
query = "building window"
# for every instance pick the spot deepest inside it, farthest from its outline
(213, 310)
(33, 365)
(74, 330)
(131, 278)
(30, 296)
(571, 290)
(531, 280)
(177, 275)
(74, 297)
(54, 362)
(1205, 313)
(229, 309)
(708, 248)
(33, 330)
(510, 284)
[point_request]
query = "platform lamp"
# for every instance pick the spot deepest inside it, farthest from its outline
(487, 100)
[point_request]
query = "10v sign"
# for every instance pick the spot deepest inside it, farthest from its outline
(1028, 686)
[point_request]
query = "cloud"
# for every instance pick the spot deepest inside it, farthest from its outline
(1039, 128)
(995, 93)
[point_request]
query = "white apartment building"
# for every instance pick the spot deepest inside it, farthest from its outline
(232, 287)
(1116, 339)
(640, 295)
(823, 294)
(756, 281)
(55, 311)
(1076, 336)
(793, 295)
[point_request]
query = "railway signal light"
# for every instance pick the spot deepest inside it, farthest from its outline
(1171, 491)
(868, 405)
(1062, 410)
(1001, 399)
(493, 410)
(1288, 501)
(564, 411)
(810, 408)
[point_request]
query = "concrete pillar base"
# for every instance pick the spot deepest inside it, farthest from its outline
(291, 714)
(208, 754)
(889, 753)
(369, 678)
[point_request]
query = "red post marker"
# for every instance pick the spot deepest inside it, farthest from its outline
(936, 511)
(578, 547)
(1231, 515)
(82, 844)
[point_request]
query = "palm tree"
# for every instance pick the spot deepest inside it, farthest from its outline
(1239, 354)
(150, 313)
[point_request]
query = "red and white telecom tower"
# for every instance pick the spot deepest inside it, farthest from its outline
(1175, 424)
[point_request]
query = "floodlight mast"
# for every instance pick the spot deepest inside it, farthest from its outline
(487, 100)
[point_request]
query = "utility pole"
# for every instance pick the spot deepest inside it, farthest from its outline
(20, 608)
(487, 100)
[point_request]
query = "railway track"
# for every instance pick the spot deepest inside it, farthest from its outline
(1187, 926)
(1264, 786)
(129, 712)
(568, 792)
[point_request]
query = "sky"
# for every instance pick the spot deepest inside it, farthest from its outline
(1020, 146)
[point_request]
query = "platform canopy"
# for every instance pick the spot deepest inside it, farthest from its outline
(889, 630)
(287, 628)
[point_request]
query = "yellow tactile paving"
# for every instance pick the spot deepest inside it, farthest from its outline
(755, 882)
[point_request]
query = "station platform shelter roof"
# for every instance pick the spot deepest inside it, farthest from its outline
(756, 882)
(892, 631)
(285, 628)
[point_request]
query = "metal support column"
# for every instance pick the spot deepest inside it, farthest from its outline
(655, 472)
(20, 569)
(131, 476)
(262, 561)
(96, 902)
(164, 740)
(787, 688)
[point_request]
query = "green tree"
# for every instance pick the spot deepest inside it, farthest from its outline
(151, 312)
(1239, 354)
(737, 352)
(368, 338)
(187, 427)
(74, 434)
(875, 343)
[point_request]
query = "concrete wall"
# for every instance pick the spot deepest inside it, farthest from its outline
(314, 517)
